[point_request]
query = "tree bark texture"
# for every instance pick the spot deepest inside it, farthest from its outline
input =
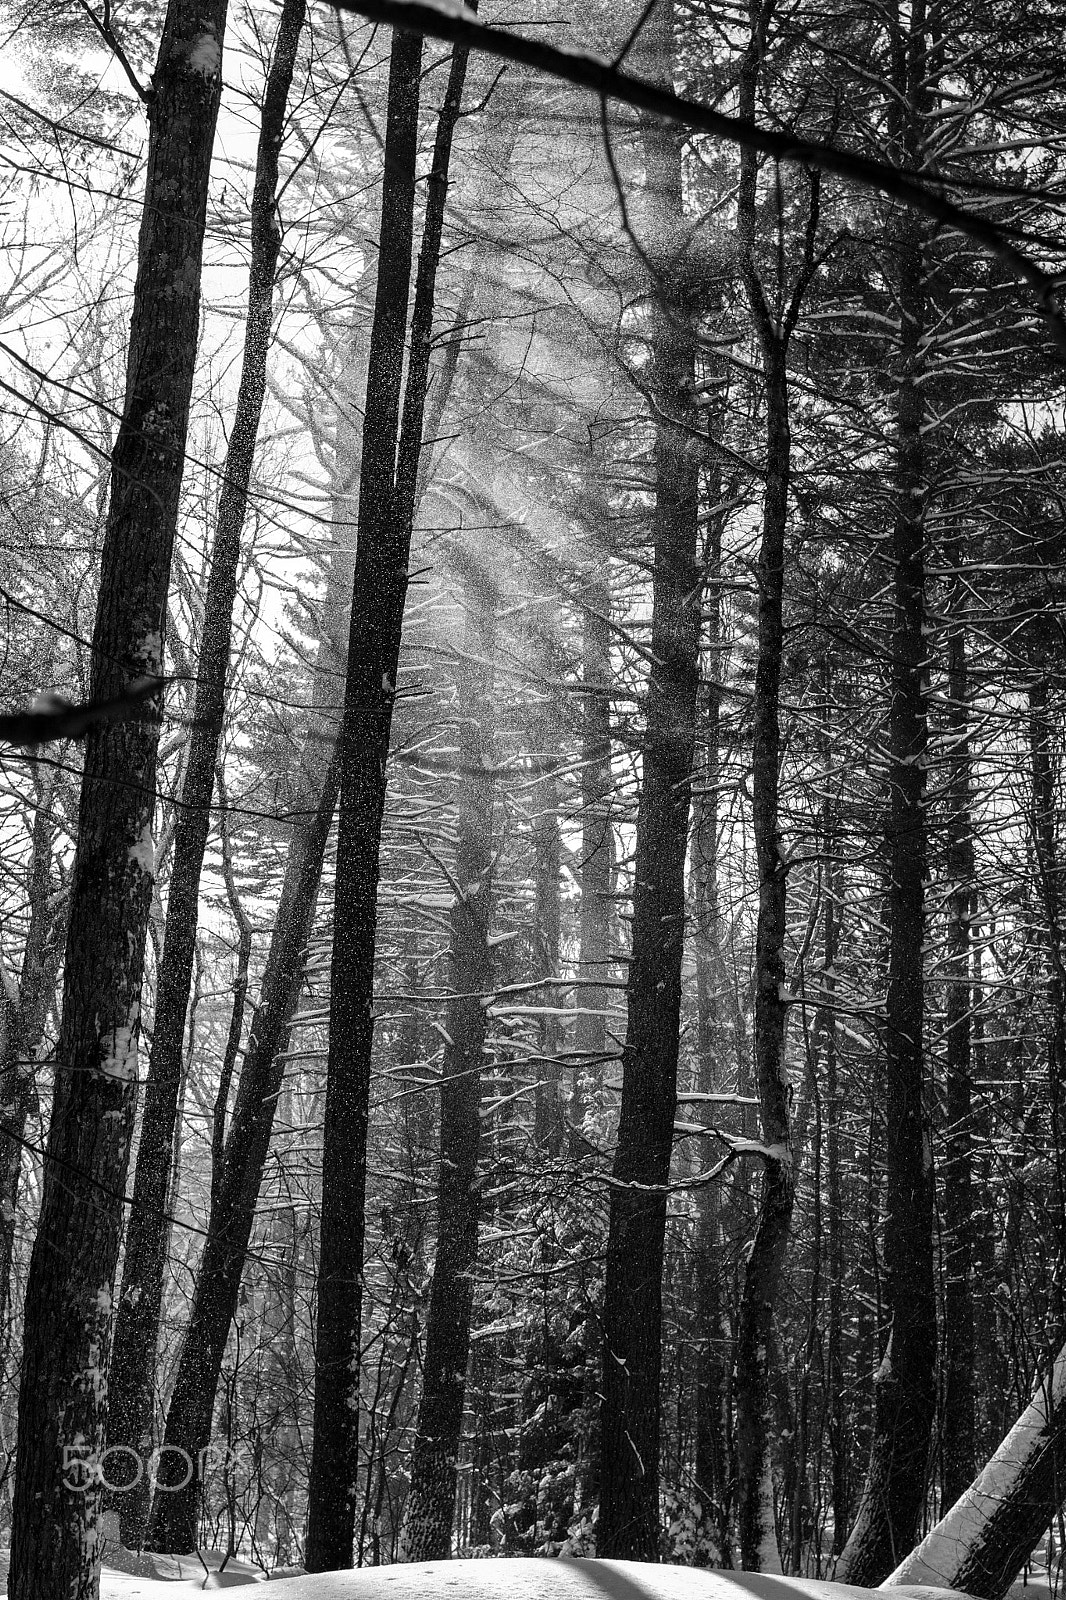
(133, 1357)
(392, 445)
(628, 1524)
(430, 1509)
(63, 1399)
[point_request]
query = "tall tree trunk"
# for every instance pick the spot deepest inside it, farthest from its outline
(628, 1524)
(55, 1550)
(755, 1333)
(388, 491)
(957, 1438)
(430, 1508)
(133, 1357)
(982, 1542)
(905, 1382)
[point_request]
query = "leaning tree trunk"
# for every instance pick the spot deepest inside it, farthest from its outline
(628, 1524)
(982, 1543)
(430, 1508)
(62, 1405)
(388, 491)
(237, 1174)
(133, 1355)
(905, 1382)
(175, 1511)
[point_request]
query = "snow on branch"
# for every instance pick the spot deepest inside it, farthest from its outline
(453, 21)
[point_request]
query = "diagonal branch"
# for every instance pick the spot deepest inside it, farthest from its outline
(452, 20)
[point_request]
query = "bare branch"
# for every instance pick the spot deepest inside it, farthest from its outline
(451, 20)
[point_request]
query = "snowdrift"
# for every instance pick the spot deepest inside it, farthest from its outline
(514, 1579)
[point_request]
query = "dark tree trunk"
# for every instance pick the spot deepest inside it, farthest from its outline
(628, 1524)
(133, 1357)
(388, 489)
(312, 803)
(958, 1440)
(905, 1382)
(62, 1405)
(427, 1531)
(175, 1511)
(762, 1276)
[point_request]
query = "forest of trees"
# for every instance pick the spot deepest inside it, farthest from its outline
(532, 711)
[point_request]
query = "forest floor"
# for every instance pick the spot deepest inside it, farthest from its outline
(171, 1577)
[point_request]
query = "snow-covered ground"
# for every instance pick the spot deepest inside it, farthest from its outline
(174, 1577)
(505, 1579)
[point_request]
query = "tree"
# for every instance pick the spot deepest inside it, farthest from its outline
(430, 1507)
(133, 1353)
(392, 444)
(632, 1328)
(62, 1403)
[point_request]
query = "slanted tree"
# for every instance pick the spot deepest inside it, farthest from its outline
(981, 1543)
(133, 1356)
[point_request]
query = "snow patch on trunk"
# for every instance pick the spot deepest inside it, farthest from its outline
(121, 1061)
(205, 55)
(142, 852)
